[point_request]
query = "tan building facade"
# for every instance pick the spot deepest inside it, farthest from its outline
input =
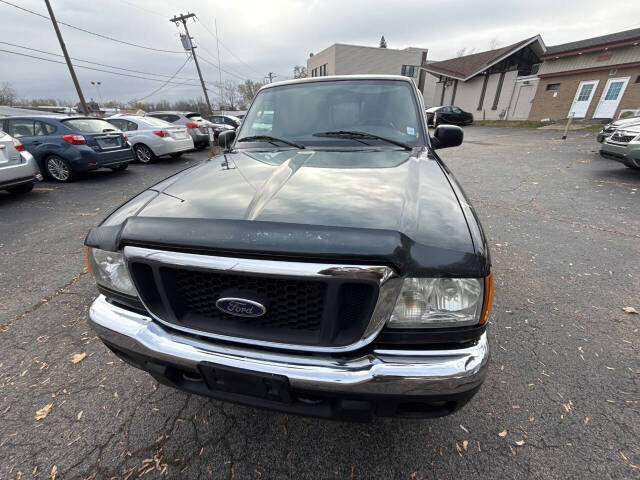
(497, 84)
(343, 59)
(590, 79)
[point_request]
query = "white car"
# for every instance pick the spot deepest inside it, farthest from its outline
(18, 169)
(152, 138)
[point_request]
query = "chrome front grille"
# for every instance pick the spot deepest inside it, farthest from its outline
(309, 306)
(622, 137)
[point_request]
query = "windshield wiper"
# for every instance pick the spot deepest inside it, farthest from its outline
(355, 135)
(270, 139)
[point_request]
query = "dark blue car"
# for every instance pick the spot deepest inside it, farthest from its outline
(65, 146)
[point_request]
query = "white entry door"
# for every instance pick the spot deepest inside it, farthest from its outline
(583, 97)
(611, 96)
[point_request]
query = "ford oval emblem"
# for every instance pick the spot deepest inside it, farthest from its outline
(240, 307)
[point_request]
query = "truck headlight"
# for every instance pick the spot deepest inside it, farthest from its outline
(442, 302)
(110, 270)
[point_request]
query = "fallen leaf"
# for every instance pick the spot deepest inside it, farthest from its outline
(54, 472)
(78, 357)
(79, 415)
(465, 444)
(503, 433)
(44, 411)
(586, 420)
(630, 310)
(520, 443)
(464, 429)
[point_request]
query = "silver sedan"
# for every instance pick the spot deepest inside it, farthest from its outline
(152, 137)
(18, 169)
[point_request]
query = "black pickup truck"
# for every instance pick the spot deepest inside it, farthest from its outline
(326, 264)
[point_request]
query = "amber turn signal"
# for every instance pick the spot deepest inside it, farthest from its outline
(488, 297)
(86, 256)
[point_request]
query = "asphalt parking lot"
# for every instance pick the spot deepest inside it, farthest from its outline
(560, 401)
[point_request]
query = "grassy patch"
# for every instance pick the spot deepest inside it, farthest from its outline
(593, 128)
(510, 123)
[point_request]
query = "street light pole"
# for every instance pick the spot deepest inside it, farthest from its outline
(68, 60)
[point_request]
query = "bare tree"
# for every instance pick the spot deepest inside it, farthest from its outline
(8, 95)
(464, 51)
(248, 89)
(383, 42)
(493, 43)
(299, 71)
(230, 95)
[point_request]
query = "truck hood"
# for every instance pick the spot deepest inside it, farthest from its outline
(381, 189)
(391, 206)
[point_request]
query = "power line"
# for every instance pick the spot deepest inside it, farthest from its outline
(167, 82)
(97, 63)
(228, 49)
(89, 68)
(204, 59)
(91, 33)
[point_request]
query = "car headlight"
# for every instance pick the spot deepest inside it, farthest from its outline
(442, 302)
(110, 270)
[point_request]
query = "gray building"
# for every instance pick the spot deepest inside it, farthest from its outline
(342, 59)
(498, 84)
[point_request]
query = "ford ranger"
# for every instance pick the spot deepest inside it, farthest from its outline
(326, 263)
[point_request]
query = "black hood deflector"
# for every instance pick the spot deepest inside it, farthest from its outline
(290, 241)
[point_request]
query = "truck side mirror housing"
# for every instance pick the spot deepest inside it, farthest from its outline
(446, 136)
(226, 138)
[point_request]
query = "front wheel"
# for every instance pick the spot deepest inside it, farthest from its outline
(119, 168)
(21, 189)
(144, 154)
(59, 169)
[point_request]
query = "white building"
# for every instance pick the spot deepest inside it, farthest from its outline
(342, 59)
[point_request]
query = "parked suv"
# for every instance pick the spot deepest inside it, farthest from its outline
(193, 121)
(609, 128)
(18, 169)
(623, 146)
(151, 137)
(327, 264)
(66, 146)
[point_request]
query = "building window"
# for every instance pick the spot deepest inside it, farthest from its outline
(552, 87)
(585, 92)
(320, 71)
(409, 71)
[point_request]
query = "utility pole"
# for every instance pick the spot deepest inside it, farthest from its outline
(219, 68)
(66, 57)
(183, 19)
(270, 76)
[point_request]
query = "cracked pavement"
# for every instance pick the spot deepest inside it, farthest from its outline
(560, 401)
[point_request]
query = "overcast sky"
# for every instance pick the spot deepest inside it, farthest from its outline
(272, 35)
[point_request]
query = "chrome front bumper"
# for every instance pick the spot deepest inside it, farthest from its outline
(381, 372)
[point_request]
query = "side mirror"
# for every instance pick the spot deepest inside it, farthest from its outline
(446, 136)
(226, 138)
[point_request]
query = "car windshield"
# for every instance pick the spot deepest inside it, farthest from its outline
(324, 113)
(89, 125)
(156, 122)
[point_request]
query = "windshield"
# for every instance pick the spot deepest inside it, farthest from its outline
(89, 125)
(298, 112)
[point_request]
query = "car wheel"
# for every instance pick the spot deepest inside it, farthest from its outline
(21, 189)
(144, 154)
(119, 168)
(176, 155)
(59, 169)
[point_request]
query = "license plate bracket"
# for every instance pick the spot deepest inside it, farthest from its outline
(246, 382)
